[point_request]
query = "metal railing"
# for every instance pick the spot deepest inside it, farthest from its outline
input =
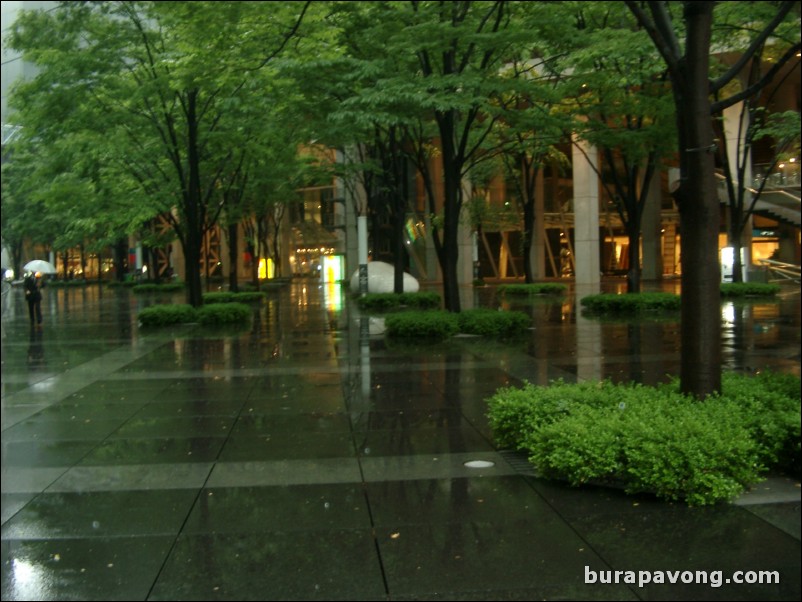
(781, 271)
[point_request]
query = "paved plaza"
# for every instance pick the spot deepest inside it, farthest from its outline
(308, 458)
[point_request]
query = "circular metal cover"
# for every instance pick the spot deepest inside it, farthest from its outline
(479, 464)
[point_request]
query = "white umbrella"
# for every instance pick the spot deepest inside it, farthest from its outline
(40, 265)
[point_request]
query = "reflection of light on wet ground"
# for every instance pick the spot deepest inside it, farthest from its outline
(333, 296)
(728, 313)
(27, 580)
(48, 384)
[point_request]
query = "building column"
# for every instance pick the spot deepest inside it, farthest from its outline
(465, 252)
(355, 203)
(286, 249)
(537, 252)
(735, 121)
(650, 231)
(586, 217)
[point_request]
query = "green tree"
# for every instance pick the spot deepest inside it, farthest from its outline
(451, 59)
(23, 208)
(352, 113)
(160, 80)
(618, 96)
(682, 33)
(754, 118)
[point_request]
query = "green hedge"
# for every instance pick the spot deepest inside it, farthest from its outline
(548, 288)
(391, 301)
(224, 313)
(441, 324)
(77, 282)
(230, 297)
(654, 439)
(167, 314)
(748, 289)
(422, 324)
(612, 303)
(493, 323)
(630, 302)
(208, 315)
(152, 287)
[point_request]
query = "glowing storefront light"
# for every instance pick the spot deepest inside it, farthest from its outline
(332, 268)
(267, 269)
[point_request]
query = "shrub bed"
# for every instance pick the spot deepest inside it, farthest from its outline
(630, 302)
(77, 282)
(167, 314)
(547, 288)
(654, 439)
(748, 289)
(209, 315)
(231, 297)
(167, 287)
(224, 313)
(391, 301)
(441, 324)
(422, 324)
(492, 323)
(612, 303)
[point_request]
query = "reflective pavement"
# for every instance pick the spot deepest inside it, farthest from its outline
(307, 458)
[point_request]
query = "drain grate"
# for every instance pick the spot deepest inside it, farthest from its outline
(519, 462)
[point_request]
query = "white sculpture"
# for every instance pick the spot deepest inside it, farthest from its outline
(380, 279)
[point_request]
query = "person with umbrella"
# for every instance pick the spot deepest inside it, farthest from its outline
(33, 295)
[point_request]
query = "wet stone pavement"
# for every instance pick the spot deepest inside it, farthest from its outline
(306, 458)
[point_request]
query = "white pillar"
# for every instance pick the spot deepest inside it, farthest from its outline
(735, 122)
(465, 240)
(362, 236)
(586, 217)
(537, 252)
(650, 229)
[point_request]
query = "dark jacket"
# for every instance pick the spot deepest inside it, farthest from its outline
(32, 292)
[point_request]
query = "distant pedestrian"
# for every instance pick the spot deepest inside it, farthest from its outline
(33, 295)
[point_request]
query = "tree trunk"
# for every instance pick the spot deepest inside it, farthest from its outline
(192, 257)
(233, 257)
(193, 209)
(633, 256)
(120, 258)
(398, 242)
(451, 208)
(697, 199)
(529, 178)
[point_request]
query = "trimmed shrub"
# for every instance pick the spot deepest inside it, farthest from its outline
(230, 297)
(390, 301)
(378, 301)
(630, 302)
(748, 289)
(77, 282)
(167, 314)
(420, 300)
(547, 288)
(491, 323)
(769, 404)
(168, 287)
(654, 439)
(422, 324)
(224, 313)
